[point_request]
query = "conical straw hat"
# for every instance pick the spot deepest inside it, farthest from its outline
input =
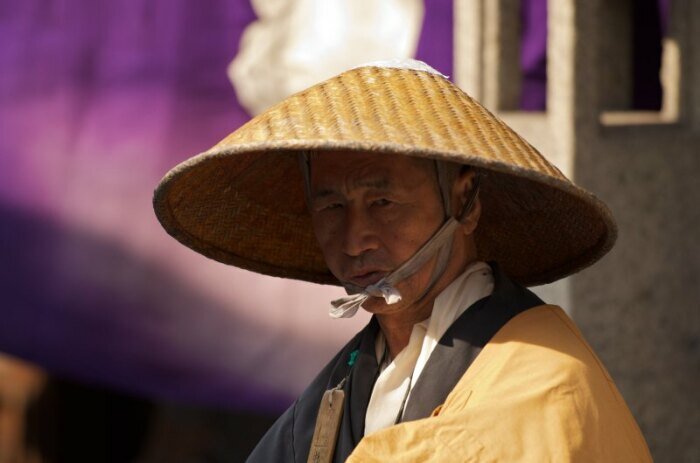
(242, 202)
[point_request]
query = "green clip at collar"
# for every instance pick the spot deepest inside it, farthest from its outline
(353, 357)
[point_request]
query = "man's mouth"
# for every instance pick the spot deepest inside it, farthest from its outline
(366, 278)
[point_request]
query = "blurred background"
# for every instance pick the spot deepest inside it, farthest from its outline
(117, 344)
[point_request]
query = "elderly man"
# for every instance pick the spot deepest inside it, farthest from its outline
(432, 213)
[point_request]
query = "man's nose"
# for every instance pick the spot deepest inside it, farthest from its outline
(360, 234)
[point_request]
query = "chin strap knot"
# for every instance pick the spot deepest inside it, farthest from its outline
(347, 306)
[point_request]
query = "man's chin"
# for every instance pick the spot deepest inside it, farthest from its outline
(373, 304)
(377, 305)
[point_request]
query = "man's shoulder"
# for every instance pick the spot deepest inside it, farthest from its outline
(539, 367)
(337, 368)
(290, 437)
(535, 392)
(550, 332)
(543, 344)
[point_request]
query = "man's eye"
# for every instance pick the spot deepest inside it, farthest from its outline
(330, 206)
(381, 202)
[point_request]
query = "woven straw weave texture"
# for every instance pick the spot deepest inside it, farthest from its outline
(242, 202)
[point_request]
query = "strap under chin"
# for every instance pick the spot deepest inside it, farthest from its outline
(346, 307)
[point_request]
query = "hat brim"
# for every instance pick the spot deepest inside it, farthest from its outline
(242, 203)
(245, 206)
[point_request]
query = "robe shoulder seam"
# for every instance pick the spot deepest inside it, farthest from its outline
(557, 311)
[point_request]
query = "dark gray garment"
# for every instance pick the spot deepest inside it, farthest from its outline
(289, 438)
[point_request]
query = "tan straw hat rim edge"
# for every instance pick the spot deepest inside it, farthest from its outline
(473, 160)
(167, 218)
(171, 225)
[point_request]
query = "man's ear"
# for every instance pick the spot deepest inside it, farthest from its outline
(462, 190)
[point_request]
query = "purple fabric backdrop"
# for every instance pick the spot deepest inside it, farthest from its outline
(436, 43)
(533, 55)
(97, 101)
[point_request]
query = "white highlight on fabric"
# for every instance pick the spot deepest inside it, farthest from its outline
(295, 44)
(398, 377)
(397, 63)
(393, 381)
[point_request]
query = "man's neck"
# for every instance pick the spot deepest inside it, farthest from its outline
(397, 327)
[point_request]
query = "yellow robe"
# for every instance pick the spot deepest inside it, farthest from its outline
(536, 393)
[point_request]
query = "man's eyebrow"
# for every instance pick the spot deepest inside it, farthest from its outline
(373, 183)
(379, 183)
(322, 193)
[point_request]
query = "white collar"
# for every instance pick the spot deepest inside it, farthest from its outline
(397, 377)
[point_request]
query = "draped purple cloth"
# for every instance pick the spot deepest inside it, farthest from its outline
(533, 55)
(97, 101)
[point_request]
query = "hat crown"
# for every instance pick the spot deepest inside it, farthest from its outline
(398, 63)
(382, 107)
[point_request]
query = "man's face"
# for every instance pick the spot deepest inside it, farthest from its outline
(371, 212)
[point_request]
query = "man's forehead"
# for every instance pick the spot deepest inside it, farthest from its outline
(357, 175)
(328, 186)
(371, 169)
